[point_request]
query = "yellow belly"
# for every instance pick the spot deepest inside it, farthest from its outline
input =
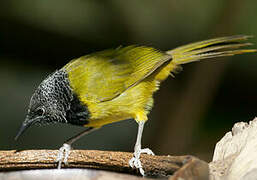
(134, 103)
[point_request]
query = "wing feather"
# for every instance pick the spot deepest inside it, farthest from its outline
(105, 75)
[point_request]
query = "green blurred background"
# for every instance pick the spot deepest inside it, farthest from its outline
(191, 113)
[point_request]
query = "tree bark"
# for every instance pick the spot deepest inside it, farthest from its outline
(235, 155)
(154, 166)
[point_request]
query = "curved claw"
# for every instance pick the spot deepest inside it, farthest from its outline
(147, 151)
(135, 162)
(63, 155)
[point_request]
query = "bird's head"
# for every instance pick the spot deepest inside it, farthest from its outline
(49, 102)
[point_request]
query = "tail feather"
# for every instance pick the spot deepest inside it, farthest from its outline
(218, 47)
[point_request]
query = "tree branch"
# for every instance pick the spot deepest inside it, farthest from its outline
(154, 166)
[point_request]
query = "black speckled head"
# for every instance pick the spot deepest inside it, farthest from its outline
(52, 102)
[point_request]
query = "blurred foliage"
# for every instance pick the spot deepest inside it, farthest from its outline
(37, 37)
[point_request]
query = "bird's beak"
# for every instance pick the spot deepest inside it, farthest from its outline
(25, 125)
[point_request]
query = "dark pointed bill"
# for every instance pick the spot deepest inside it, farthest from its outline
(21, 131)
(25, 125)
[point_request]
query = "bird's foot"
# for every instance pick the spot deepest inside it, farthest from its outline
(135, 161)
(63, 155)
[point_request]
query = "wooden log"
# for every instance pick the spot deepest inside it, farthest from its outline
(235, 155)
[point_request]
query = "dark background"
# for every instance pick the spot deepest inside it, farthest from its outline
(191, 113)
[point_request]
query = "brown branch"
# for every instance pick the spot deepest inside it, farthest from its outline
(155, 166)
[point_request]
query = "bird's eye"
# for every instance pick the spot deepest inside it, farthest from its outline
(40, 111)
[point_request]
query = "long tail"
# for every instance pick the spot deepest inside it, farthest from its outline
(218, 47)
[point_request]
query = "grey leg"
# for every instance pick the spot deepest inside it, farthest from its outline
(64, 151)
(135, 161)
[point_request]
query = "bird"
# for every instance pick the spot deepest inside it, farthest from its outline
(116, 84)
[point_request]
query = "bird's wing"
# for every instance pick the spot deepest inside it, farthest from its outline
(105, 75)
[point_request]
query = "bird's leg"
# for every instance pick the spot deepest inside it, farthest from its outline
(64, 151)
(135, 161)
